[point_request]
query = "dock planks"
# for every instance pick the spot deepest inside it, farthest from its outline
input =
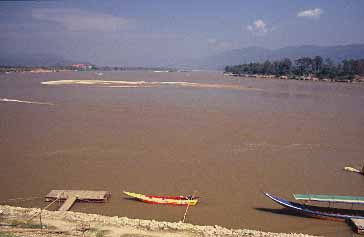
(82, 195)
(71, 196)
(68, 204)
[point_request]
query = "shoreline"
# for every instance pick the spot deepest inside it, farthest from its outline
(356, 79)
(66, 223)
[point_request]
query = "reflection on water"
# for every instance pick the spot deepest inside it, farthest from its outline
(227, 144)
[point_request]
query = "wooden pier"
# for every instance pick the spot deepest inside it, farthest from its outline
(71, 196)
(359, 225)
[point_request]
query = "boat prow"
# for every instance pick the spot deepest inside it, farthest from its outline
(317, 211)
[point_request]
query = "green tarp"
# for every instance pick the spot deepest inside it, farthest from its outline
(330, 198)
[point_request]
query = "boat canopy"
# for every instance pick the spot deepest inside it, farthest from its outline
(330, 198)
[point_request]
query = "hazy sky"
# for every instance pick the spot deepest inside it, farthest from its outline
(153, 32)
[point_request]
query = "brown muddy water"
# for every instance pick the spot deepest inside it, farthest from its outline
(229, 143)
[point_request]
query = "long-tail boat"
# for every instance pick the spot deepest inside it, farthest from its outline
(323, 212)
(173, 200)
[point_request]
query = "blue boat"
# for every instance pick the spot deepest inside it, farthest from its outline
(321, 212)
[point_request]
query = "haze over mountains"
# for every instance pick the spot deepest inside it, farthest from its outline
(258, 54)
(33, 60)
(219, 61)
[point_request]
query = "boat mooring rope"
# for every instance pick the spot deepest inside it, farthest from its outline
(188, 205)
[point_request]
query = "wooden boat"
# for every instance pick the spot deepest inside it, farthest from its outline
(323, 212)
(173, 200)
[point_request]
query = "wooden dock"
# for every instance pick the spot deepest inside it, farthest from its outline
(71, 196)
(359, 225)
(68, 204)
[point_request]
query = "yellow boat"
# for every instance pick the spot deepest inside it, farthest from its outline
(173, 200)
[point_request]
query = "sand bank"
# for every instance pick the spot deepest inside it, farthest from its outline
(24, 101)
(144, 84)
(123, 226)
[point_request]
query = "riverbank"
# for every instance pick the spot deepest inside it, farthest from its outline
(69, 224)
(355, 79)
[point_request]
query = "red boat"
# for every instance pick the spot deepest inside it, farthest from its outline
(173, 200)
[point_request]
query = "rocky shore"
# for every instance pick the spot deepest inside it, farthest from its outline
(68, 224)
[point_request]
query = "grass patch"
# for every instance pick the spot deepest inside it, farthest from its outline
(98, 232)
(24, 224)
(134, 235)
(101, 233)
(5, 234)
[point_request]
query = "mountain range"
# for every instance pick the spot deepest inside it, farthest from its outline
(258, 54)
(218, 61)
(33, 60)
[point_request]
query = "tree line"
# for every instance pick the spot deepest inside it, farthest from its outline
(303, 67)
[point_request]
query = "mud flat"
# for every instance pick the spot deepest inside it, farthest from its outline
(65, 224)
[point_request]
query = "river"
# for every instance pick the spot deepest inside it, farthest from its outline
(227, 138)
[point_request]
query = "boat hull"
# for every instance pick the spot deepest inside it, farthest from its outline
(171, 200)
(319, 212)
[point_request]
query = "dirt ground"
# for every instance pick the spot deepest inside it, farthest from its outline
(17, 221)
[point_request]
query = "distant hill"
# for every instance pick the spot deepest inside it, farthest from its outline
(219, 61)
(33, 60)
(257, 54)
